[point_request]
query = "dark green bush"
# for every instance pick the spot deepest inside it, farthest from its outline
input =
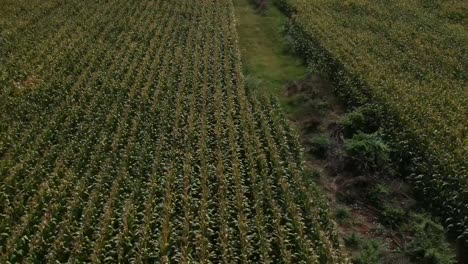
(429, 245)
(343, 214)
(367, 153)
(378, 193)
(393, 216)
(352, 241)
(372, 252)
(363, 119)
(319, 145)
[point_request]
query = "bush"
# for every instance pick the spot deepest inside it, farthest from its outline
(393, 216)
(367, 153)
(342, 214)
(372, 252)
(363, 119)
(377, 194)
(352, 241)
(319, 146)
(429, 245)
(369, 251)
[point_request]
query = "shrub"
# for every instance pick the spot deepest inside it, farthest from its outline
(429, 245)
(378, 193)
(362, 119)
(343, 214)
(352, 241)
(372, 252)
(319, 145)
(367, 153)
(393, 216)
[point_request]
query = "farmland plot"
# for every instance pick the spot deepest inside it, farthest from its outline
(408, 59)
(127, 136)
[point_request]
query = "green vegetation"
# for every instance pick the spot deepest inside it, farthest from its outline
(263, 47)
(428, 245)
(393, 216)
(352, 241)
(128, 137)
(16, 16)
(368, 251)
(362, 119)
(319, 145)
(130, 132)
(343, 214)
(391, 212)
(408, 61)
(372, 252)
(367, 153)
(378, 194)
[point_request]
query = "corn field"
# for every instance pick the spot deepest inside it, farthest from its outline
(409, 60)
(127, 136)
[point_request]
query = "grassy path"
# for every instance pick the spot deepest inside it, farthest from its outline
(265, 59)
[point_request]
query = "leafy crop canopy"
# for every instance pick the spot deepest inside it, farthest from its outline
(129, 137)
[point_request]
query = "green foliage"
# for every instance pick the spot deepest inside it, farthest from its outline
(367, 251)
(319, 145)
(362, 119)
(132, 138)
(429, 245)
(263, 49)
(352, 123)
(371, 252)
(252, 84)
(377, 194)
(367, 153)
(312, 175)
(5, 165)
(343, 214)
(352, 241)
(393, 216)
(419, 89)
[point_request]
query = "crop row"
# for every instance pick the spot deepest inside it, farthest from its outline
(135, 141)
